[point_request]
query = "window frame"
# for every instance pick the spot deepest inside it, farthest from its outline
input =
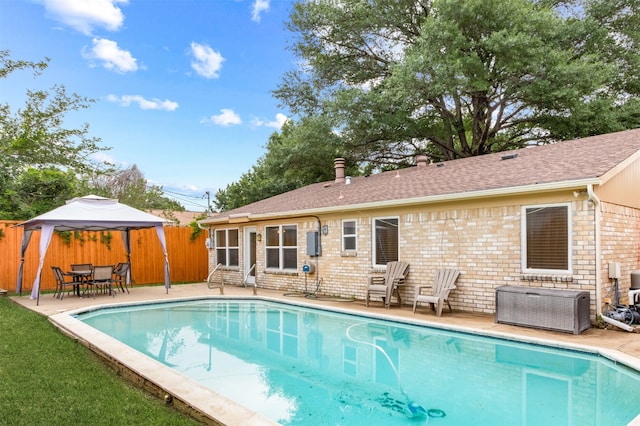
(228, 249)
(524, 240)
(354, 235)
(282, 249)
(374, 237)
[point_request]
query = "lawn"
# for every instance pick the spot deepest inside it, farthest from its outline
(48, 378)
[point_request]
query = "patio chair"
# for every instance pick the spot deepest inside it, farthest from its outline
(443, 283)
(102, 279)
(62, 283)
(120, 276)
(81, 267)
(386, 286)
(81, 272)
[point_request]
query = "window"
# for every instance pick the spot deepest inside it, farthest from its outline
(546, 232)
(227, 248)
(349, 235)
(385, 237)
(282, 246)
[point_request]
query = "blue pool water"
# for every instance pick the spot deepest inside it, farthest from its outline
(299, 365)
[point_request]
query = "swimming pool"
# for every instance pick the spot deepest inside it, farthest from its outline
(298, 365)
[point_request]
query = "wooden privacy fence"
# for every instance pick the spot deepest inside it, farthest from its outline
(187, 258)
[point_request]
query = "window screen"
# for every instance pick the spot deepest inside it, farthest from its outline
(282, 246)
(386, 240)
(227, 247)
(349, 235)
(547, 237)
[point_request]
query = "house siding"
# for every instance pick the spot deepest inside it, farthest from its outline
(482, 240)
(620, 233)
(624, 187)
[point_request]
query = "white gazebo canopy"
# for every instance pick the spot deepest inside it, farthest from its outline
(89, 213)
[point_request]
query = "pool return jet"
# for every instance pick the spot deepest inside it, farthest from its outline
(415, 410)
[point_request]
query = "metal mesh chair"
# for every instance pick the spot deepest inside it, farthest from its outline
(102, 279)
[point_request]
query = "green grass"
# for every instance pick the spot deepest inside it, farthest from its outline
(48, 378)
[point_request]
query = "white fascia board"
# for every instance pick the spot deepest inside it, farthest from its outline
(519, 190)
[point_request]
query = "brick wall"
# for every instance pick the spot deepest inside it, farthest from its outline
(484, 243)
(620, 234)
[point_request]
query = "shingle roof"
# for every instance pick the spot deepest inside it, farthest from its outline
(579, 161)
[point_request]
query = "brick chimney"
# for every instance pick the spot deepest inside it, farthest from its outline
(421, 160)
(339, 165)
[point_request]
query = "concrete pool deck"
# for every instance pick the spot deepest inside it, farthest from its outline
(621, 346)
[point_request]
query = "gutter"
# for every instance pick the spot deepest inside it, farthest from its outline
(597, 213)
(509, 191)
(208, 229)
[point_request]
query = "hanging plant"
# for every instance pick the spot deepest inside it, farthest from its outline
(78, 236)
(65, 236)
(195, 231)
(105, 238)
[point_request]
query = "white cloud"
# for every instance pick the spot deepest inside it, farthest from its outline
(276, 124)
(143, 103)
(112, 57)
(259, 6)
(101, 157)
(226, 117)
(207, 62)
(84, 15)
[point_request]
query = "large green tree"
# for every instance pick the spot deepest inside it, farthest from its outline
(40, 159)
(300, 154)
(35, 191)
(457, 78)
(35, 136)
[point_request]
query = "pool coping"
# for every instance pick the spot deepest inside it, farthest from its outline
(208, 406)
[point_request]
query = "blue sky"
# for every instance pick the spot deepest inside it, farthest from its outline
(182, 87)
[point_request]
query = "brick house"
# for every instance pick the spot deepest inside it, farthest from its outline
(552, 216)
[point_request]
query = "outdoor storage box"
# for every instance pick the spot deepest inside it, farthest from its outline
(560, 310)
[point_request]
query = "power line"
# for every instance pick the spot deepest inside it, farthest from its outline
(186, 199)
(183, 195)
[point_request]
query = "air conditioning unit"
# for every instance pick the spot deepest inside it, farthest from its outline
(550, 309)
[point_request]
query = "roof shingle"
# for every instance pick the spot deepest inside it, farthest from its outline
(581, 159)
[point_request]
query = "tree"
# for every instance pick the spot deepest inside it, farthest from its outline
(36, 191)
(457, 78)
(130, 187)
(34, 136)
(299, 155)
(40, 159)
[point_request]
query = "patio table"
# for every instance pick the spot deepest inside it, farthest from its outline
(80, 276)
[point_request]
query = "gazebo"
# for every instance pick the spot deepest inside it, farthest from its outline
(89, 213)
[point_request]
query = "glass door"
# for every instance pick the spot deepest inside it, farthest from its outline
(249, 255)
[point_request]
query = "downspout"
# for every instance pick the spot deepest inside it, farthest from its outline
(208, 229)
(597, 216)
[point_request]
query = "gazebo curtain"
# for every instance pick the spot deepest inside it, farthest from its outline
(26, 237)
(45, 239)
(163, 242)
